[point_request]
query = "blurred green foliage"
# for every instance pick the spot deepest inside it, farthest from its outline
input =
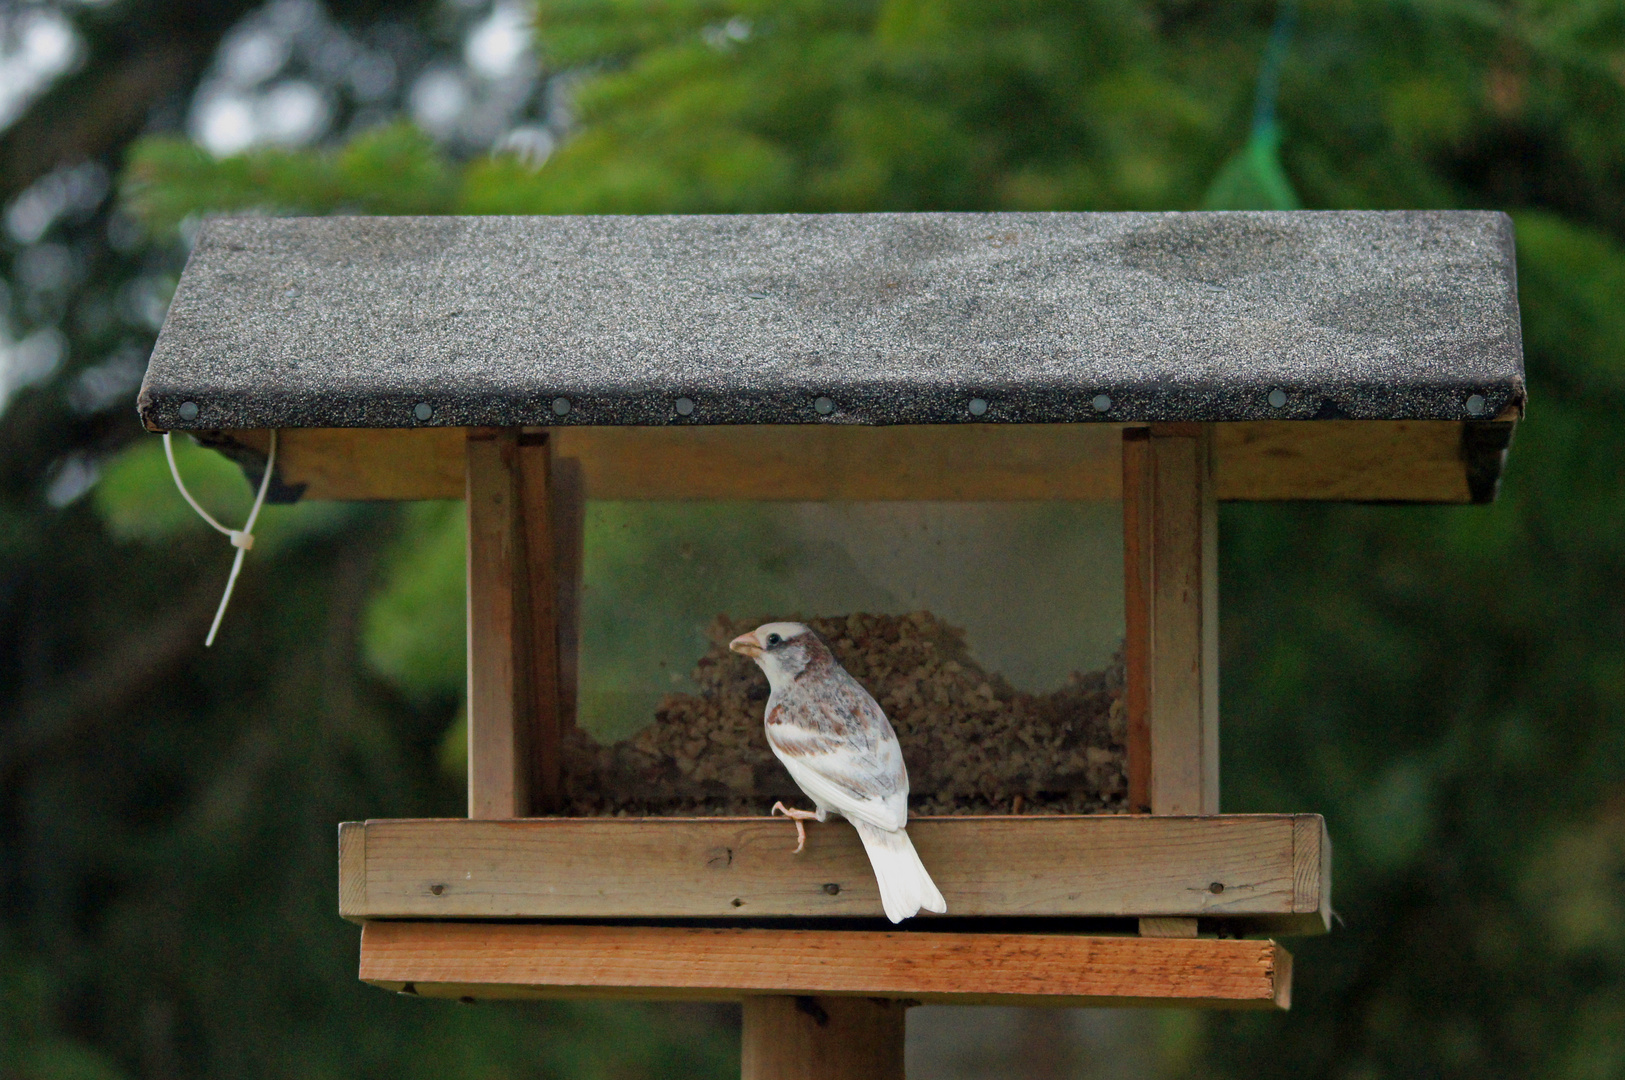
(413, 630)
(1446, 684)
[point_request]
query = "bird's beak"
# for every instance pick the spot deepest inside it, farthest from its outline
(746, 645)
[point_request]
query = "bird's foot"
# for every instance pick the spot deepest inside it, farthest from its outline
(797, 816)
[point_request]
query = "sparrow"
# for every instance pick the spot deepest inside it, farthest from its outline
(842, 753)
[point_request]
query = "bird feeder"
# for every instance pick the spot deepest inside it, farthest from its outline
(998, 440)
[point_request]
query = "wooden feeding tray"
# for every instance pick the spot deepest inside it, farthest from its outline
(1165, 362)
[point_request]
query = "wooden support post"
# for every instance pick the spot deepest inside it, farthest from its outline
(512, 651)
(1137, 563)
(1170, 522)
(568, 513)
(822, 1038)
(498, 630)
(542, 563)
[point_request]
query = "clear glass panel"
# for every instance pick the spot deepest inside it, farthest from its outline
(990, 632)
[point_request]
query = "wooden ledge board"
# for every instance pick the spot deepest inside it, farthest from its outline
(529, 960)
(1362, 460)
(1268, 873)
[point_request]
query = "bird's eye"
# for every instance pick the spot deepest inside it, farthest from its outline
(774, 639)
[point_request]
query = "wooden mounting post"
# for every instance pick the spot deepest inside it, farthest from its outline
(822, 1038)
(513, 730)
(1170, 547)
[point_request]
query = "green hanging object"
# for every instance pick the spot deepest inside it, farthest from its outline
(1253, 179)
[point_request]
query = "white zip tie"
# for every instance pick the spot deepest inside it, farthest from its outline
(242, 539)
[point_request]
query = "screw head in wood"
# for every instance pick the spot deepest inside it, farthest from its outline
(833, 888)
(1216, 888)
(188, 410)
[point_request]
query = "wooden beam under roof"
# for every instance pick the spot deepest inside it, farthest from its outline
(1343, 460)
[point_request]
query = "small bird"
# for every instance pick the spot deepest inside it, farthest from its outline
(842, 752)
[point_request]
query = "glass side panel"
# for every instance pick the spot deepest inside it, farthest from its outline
(989, 632)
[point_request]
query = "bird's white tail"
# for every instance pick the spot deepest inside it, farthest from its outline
(905, 887)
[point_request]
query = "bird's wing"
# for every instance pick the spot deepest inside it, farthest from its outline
(840, 749)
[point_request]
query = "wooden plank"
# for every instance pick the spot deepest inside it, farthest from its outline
(1170, 545)
(542, 601)
(1208, 567)
(352, 870)
(368, 463)
(1312, 858)
(1165, 928)
(1369, 460)
(1356, 460)
(1243, 868)
(821, 1038)
(499, 653)
(569, 520)
(540, 960)
(996, 462)
(1137, 563)
(1181, 678)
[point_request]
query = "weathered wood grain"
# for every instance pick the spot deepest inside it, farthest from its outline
(541, 591)
(1242, 868)
(821, 1038)
(352, 869)
(1138, 490)
(1354, 460)
(1165, 927)
(457, 959)
(1383, 460)
(1173, 687)
(1312, 857)
(500, 665)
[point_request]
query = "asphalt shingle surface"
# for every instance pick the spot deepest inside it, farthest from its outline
(893, 318)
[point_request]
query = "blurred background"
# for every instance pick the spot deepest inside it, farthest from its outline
(1445, 684)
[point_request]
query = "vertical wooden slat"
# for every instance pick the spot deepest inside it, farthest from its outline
(1182, 676)
(1209, 568)
(1170, 521)
(499, 655)
(569, 516)
(541, 584)
(1137, 490)
(822, 1038)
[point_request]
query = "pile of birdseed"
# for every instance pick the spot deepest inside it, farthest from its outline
(972, 743)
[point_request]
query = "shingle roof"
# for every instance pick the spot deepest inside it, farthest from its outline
(864, 318)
